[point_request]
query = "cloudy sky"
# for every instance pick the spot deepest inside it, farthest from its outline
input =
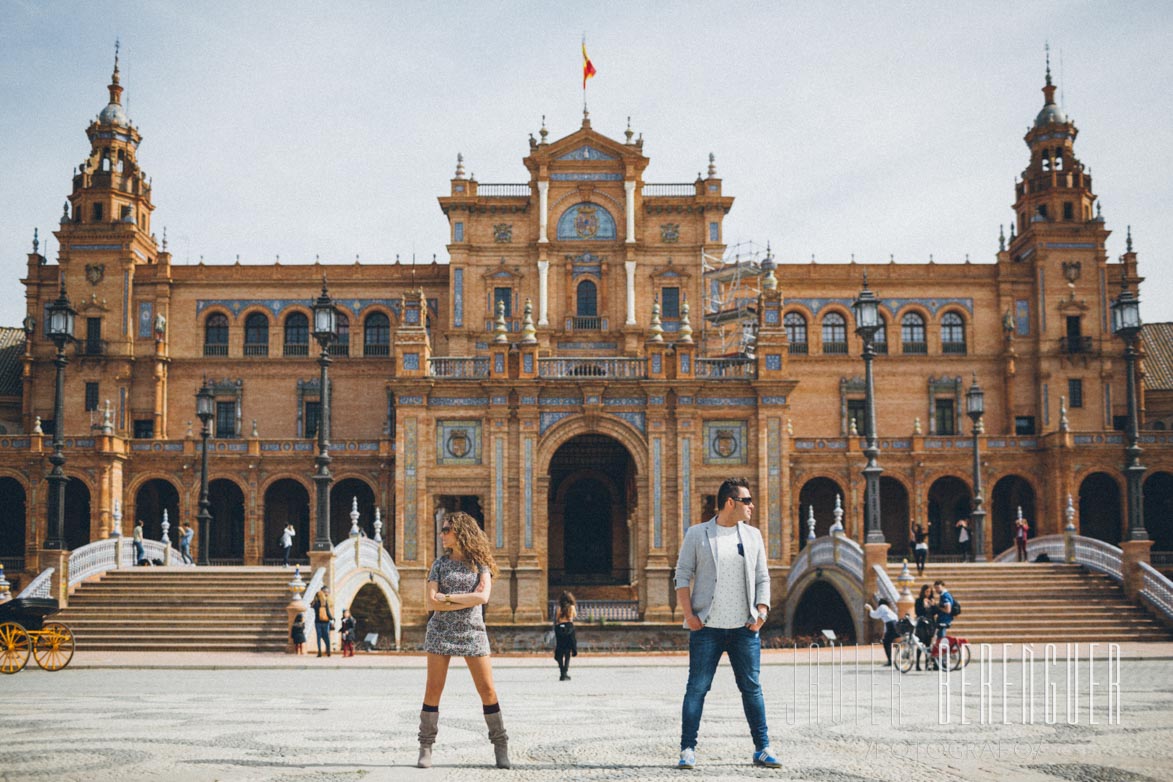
(300, 129)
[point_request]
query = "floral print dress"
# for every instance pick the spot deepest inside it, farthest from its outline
(459, 633)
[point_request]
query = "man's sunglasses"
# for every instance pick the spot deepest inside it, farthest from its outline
(743, 500)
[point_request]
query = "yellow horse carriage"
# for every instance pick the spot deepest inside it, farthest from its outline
(24, 632)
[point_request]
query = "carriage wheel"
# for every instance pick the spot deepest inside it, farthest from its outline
(53, 646)
(14, 647)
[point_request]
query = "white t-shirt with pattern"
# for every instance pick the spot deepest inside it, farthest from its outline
(728, 609)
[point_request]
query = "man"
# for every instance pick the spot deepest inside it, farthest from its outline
(323, 618)
(287, 542)
(944, 608)
(140, 554)
(186, 532)
(723, 587)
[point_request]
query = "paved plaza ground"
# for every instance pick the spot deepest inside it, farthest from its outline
(293, 719)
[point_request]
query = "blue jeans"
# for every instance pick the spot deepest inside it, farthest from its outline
(323, 631)
(139, 552)
(705, 647)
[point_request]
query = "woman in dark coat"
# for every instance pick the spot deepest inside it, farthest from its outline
(565, 641)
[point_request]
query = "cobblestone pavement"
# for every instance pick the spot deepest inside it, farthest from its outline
(618, 719)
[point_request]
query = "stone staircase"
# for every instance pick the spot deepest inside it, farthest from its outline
(1040, 603)
(213, 609)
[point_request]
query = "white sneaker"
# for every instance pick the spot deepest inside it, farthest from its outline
(687, 758)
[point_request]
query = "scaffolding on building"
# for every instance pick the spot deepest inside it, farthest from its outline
(732, 285)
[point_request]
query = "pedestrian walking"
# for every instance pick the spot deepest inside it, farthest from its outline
(323, 618)
(920, 548)
(140, 553)
(1021, 532)
(963, 540)
(565, 640)
(885, 614)
(459, 586)
(186, 533)
(723, 587)
(297, 634)
(347, 628)
(287, 542)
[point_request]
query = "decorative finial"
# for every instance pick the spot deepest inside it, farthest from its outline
(1001, 237)
(324, 294)
(1099, 213)
(837, 527)
(853, 429)
(354, 531)
(685, 325)
(65, 213)
(1128, 241)
(1063, 423)
(117, 47)
(865, 279)
(36, 240)
(769, 282)
(790, 427)
(459, 166)
(1069, 514)
(629, 132)
(1047, 50)
(916, 426)
(528, 333)
(500, 330)
(543, 132)
(810, 524)
(164, 238)
(712, 165)
(255, 433)
(1012, 230)
(37, 426)
(378, 526)
(656, 330)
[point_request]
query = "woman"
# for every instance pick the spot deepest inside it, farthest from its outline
(565, 641)
(885, 614)
(347, 628)
(459, 584)
(287, 542)
(963, 539)
(186, 532)
(923, 609)
(1021, 531)
(920, 549)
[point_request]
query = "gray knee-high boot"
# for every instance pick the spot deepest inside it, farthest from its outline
(500, 739)
(429, 726)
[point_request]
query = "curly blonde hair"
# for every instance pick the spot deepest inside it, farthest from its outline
(474, 546)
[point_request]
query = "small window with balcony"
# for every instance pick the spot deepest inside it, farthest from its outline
(795, 325)
(586, 306)
(1075, 342)
(94, 345)
(834, 334)
(216, 335)
(912, 334)
(226, 419)
(297, 335)
(341, 344)
(256, 335)
(376, 335)
(952, 334)
(670, 303)
(1075, 392)
(944, 417)
(91, 397)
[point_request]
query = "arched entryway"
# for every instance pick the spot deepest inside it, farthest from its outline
(1158, 510)
(894, 517)
(13, 524)
(1010, 493)
(226, 504)
(342, 496)
(77, 514)
(820, 494)
(820, 608)
(1100, 515)
(372, 615)
(286, 502)
(949, 501)
(151, 499)
(592, 494)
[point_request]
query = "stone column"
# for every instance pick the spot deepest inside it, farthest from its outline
(630, 266)
(543, 291)
(543, 207)
(629, 191)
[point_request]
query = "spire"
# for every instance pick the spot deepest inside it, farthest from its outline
(656, 330)
(1049, 88)
(769, 282)
(36, 241)
(114, 113)
(712, 165)
(115, 82)
(117, 46)
(528, 333)
(1001, 237)
(459, 166)
(500, 330)
(1128, 241)
(685, 325)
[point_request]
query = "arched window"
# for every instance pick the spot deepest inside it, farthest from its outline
(586, 306)
(834, 333)
(297, 335)
(912, 334)
(341, 344)
(795, 325)
(880, 339)
(376, 335)
(256, 335)
(216, 335)
(952, 334)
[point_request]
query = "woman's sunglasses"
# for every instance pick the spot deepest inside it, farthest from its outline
(445, 530)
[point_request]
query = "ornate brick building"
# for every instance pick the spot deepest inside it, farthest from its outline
(580, 375)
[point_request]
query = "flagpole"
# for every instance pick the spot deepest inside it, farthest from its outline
(584, 79)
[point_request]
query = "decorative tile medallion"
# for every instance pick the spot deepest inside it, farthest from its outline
(726, 442)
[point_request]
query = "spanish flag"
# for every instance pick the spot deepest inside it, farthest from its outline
(588, 69)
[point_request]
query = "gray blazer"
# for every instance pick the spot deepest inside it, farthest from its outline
(696, 567)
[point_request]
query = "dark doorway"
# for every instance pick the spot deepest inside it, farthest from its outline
(77, 514)
(150, 501)
(1099, 508)
(287, 502)
(820, 608)
(592, 494)
(13, 524)
(342, 498)
(820, 494)
(949, 501)
(1010, 493)
(895, 520)
(372, 615)
(1158, 510)
(226, 541)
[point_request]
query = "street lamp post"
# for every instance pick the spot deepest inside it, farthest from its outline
(1126, 324)
(975, 407)
(325, 317)
(205, 409)
(867, 323)
(60, 331)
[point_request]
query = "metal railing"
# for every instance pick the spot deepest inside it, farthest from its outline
(340, 349)
(602, 610)
(835, 348)
(593, 367)
(95, 347)
(880, 348)
(459, 367)
(953, 348)
(1075, 344)
(585, 322)
(798, 348)
(256, 350)
(832, 550)
(726, 367)
(297, 349)
(12, 564)
(668, 189)
(41, 586)
(215, 350)
(503, 190)
(914, 348)
(1157, 589)
(379, 350)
